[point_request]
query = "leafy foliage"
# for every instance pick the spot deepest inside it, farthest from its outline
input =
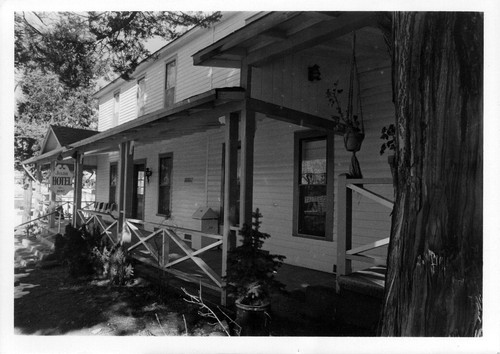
(344, 120)
(250, 275)
(113, 264)
(89, 254)
(45, 100)
(80, 47)
(75, 250)
(388, 134)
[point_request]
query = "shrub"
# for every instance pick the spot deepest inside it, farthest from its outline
(113, 264)
(76, 252)
(250, 274)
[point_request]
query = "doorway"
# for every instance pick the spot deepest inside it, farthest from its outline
(139, 191)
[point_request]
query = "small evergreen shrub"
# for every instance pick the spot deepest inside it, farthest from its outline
(250, 274)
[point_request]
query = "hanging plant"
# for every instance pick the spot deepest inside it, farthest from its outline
(345, 122)
(348, 122)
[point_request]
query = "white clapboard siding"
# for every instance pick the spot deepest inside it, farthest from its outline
(102, 180)
(191, 80)
(189, 187)
(105, 112)
(128, 102)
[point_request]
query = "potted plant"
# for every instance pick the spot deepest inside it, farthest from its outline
(250, 279)
(388, 135)
(346, 122)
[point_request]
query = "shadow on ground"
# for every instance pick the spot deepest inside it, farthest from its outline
(51, 303)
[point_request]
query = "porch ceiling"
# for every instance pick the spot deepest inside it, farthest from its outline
(194, 114)
(281, 33)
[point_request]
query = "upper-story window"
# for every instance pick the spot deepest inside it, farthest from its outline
(170, 78)
(116, 109)
(141, 96)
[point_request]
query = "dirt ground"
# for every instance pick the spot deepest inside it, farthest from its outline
(49, 302)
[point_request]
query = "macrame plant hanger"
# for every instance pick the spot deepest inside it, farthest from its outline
(355, 169)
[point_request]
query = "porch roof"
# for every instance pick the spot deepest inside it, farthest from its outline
(280, 33)
(194, 114)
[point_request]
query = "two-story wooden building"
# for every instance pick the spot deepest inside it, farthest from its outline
(235, 117)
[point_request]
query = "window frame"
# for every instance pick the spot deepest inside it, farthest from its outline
(299, 137)
(161, 156)
(168, 62)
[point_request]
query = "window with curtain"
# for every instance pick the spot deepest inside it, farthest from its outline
(170, 78)
(141, 96)
(165, 184)
(313, 188)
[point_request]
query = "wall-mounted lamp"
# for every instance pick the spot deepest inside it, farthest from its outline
(148, 173)
(60, 157)
(313, 73)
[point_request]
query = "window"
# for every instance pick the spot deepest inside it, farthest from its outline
(141, 96)
(113, 182)
(313, 185)
(165, 184)
(116, 109)
(170, 78)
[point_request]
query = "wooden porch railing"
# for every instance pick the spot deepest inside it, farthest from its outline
(159, 243)
(345, 253)
(101, 215)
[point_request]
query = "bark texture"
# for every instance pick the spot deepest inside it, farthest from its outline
(434, 280)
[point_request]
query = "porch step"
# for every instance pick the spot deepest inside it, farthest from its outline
(369, 282)
(29, 251)
(361, 296)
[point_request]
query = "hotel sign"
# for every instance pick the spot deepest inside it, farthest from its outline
(61, 180)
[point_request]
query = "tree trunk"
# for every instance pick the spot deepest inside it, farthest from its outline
(434, 279)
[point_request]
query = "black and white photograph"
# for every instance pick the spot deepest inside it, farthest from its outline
(304, 178)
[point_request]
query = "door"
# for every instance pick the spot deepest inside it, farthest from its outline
(139, 192)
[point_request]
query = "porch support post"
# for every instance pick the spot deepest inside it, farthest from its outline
(52, 201)
(28, 196)
(247, 121)
(126, 174)
(38, 193)
(230, 188)
(246, 178)
(77, 192)
(344, 226)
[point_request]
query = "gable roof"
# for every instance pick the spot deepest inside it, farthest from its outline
(58, 136)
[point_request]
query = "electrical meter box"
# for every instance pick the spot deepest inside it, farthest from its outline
(207, 221)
